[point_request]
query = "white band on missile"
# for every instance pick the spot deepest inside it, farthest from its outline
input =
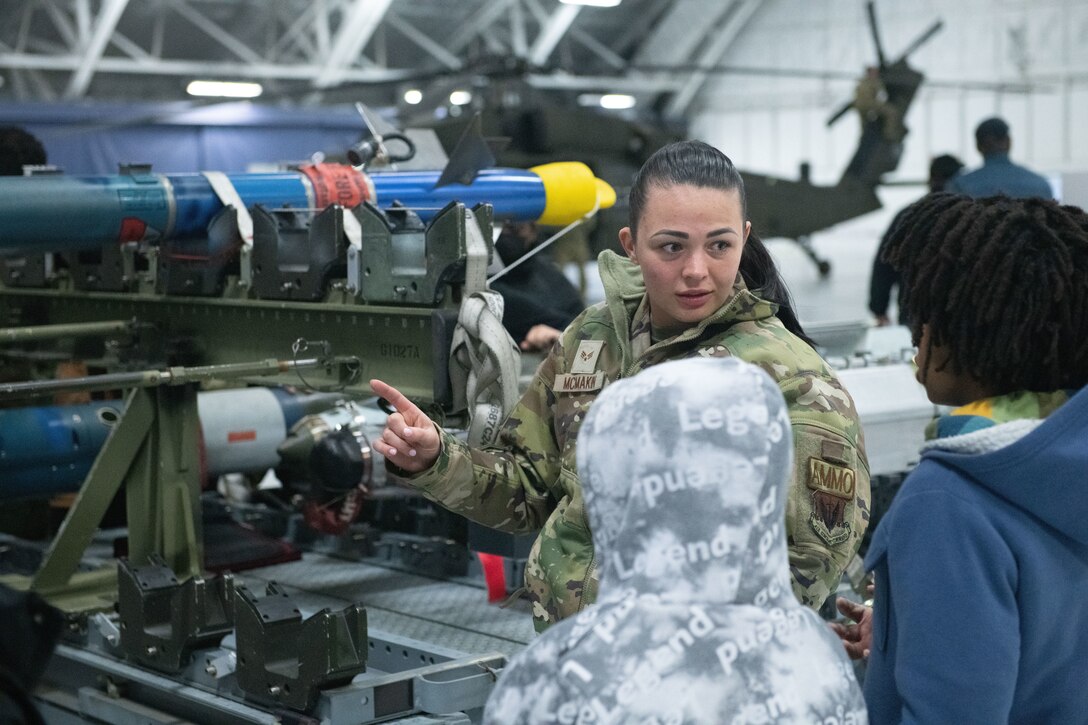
(353, 230)
(228, 195)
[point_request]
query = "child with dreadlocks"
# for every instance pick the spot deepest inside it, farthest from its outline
(981, 563)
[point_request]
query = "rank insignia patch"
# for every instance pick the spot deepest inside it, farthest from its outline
(585, 357)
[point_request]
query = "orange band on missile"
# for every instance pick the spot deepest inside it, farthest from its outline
(337, 184)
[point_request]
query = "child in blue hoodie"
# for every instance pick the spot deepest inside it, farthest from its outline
(981, 606)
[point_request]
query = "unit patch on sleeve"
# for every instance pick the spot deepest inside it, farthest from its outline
(585, 357)
(833, 490)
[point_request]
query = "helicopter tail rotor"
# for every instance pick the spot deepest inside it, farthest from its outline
(875, 30)
(921, 39)
(897, 77)
(843, 110)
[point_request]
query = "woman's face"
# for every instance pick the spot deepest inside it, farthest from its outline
(689, 245)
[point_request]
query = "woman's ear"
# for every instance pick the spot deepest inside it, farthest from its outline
(627, 241)
(747, 230)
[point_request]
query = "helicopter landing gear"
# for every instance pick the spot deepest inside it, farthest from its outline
(822, 265)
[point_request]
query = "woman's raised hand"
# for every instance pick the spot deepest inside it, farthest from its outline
(410, 440)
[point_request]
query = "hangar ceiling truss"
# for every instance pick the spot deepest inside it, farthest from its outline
(145, 49)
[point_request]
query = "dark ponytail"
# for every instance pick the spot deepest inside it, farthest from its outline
(760, 273)
(695, 163)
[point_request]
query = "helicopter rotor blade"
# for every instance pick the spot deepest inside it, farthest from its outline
(922, 39)
(871, 9)
(843, 110)
(742, 70)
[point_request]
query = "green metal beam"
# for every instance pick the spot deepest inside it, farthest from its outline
(396, 344)
(170, 376)
(102, 483)
(59, 332)
(162, 493)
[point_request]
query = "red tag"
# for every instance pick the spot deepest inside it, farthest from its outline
(494, 576)
(132, 230)
(237, 436)
(337, 184)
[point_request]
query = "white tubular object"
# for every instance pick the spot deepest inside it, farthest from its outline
(242, 429)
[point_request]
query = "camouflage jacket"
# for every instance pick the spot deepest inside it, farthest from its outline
(528, 478)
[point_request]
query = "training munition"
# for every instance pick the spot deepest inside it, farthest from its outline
(54, 213)
(48, 450)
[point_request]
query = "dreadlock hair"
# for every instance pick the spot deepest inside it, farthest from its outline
(1002, 285)
(695, 163)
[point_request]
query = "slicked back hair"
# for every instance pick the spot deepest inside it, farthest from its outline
(695, 163)
(1002, 285)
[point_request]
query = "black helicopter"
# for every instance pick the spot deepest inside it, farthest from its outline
(795, 209)
(615, 147)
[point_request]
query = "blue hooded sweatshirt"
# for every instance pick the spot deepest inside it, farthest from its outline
(981, 609)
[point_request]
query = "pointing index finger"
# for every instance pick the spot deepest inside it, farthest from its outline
(395, 398)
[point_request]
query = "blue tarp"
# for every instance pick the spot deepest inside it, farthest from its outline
(93, 138)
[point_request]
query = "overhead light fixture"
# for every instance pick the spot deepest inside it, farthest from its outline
(413, 96)
(224, 89)
(593, 3)
(617, 101)
(460, 98)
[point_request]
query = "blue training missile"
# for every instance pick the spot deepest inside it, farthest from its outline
(50, 449)
(54, 213)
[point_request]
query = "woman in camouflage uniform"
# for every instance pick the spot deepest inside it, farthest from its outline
(695, 283)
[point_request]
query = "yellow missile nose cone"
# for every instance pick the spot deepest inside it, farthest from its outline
(570, 192)
(606, 195)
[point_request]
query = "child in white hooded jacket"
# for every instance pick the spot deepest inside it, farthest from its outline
(685, 469)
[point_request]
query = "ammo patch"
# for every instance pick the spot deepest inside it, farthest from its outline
(833, 489)
(567, 383)
(829, 478)
(585, 357)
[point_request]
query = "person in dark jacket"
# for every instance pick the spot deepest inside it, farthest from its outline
(685, 469)
(981, 605)
(539, 301)
(998, 175)
(19, 148)
(884, 277)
